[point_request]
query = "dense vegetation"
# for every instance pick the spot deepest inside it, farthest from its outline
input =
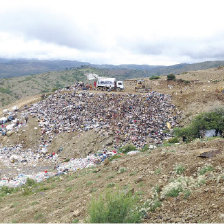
(204, 121)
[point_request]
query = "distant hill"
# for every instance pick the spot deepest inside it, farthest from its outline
(21, 67)
(15, 88)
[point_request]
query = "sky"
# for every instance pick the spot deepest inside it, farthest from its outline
(153, 32)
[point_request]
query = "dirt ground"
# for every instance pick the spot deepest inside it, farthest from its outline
(66, 198)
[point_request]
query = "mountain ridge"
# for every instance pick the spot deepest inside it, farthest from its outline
(22, 67)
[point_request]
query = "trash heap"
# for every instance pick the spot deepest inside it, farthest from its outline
(73, 165)
(136, 119)
(12, 121)
(17, 156)
(89, 161)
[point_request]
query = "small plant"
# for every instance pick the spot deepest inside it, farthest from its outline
(179, 169)
(92, 190)
(34, 203)
(6, 190)
(128, 148)
(154, 77)
(174, 192)
(110, 177)
(155, 204)
(114, 207)
(38, 216)
(26, 191)
(158, 171)
(173, 140)
(89, 183)
(206, 169)
(157, 189)
(183, 81)
(122, 170)
(75, 220)
(133, 173)
(171, 77)
(117, 156)
(187, 194)
(145, 148)
(30, 182)
(151, 205)
(110, 185)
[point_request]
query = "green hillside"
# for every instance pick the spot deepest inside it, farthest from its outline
(12, 89)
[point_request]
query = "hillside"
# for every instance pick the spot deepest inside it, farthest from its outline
(12, 89)
(20, 67)
(176, 182)
(66, 198)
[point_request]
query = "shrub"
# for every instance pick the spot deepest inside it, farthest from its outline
(30, 182)
(4, 190)
(206, 169)
(154, 77)
(110, 185)
(122, 170)
(128, 148)
(202, 122)
(145, 148)
(179, 169)
(184, 81)
(171, 77)
(114, 207)
(7, 91)
(173, 140)
(116, 156)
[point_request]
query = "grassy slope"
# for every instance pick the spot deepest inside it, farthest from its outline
(12, 89)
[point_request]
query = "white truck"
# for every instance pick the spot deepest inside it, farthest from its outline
(109, 84)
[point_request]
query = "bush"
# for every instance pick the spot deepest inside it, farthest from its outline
(173, 140)
(171, 77)
(145, 148)
(205, 169)
(202, 122)
(184, 81)
(114, 207)
(154, 77)
(30, 182)
(128, 148)
(179, 169)
(4, 190)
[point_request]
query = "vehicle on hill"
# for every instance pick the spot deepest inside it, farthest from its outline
(141, 86)
(104, 83)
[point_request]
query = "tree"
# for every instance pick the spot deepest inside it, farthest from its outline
(171, 77)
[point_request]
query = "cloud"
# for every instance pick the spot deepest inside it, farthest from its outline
(99, 31)
(49, 27)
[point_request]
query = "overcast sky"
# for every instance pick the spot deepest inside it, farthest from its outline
(150, 32)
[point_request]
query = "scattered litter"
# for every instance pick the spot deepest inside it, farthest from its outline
(133, 153)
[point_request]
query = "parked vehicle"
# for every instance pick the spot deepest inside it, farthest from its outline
(105, 83)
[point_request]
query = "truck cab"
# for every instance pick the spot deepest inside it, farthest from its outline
(120, 85)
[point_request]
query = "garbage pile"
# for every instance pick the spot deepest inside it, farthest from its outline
(16, 155)
(11, 121)
(89, 161)
(136, 119)
(11, 158)
(22, 178)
